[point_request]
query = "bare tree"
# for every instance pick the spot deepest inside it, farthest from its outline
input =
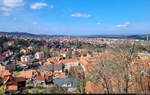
(118, 66)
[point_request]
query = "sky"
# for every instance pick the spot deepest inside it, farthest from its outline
(75, 17)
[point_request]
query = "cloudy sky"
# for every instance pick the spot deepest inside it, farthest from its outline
(75, 17)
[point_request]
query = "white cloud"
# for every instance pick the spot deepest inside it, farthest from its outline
(5, 9)
(35, 23)
(38, 5)
(13, 3)
(8, 5)
(81, 15)
(123, 25)
(51, 6)
(98, 23)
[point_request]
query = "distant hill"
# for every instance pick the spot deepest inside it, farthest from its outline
(18, 33)
(30, 34)
(140, 37)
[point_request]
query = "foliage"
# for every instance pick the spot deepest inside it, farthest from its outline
(71, 73)
(1, 89)
(81, 85)
(58, 90)
(36, 90)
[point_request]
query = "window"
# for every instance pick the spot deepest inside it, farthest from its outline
(64, 85)
(69, 84)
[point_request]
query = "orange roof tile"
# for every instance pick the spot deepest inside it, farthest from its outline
(28, 73)
(6, 79)
(68, 60)
(12, 87)
(60, 75)
(24, 62)
(19, 79)
(40, 52)
(4, 73)
(53, 59)
(47, 74)
(40, 78)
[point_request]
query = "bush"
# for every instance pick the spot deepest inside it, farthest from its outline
(1, 89)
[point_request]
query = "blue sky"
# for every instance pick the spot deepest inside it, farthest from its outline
(75, 17)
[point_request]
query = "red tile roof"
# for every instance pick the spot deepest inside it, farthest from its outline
(12, 42)
(47, 74)
(24, 62)
(28, 73)
(4, 73)
(19, 79)
(68, 60)
(53, 59)
(40, 78)
(39, 53)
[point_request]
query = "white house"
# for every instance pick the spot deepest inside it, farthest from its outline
(39, 55)
(68, 63)
(27, 58)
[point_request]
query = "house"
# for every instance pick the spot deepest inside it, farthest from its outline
(60, 75)
(67, 63)
(70, 83)
(14, 83)
(2, 58)
(21, 65)
(66, 54)
(30, 47)
(40, 80)
(29, 74)
(54, 59)
(57, 67)
(4, 73)
(27, 58)
(48, 77)
(52, 50)
(11, 86)
(7, 53)
(39, 55)
(21, 62)
(1, 81)
(47, 74)
(24, 50)
(10, 66)
(53, 67)
(2, 67)
(10, 43)
(41, 62)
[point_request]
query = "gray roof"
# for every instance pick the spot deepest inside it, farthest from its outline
(49, 67)
(61, 81)
(22, 65)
